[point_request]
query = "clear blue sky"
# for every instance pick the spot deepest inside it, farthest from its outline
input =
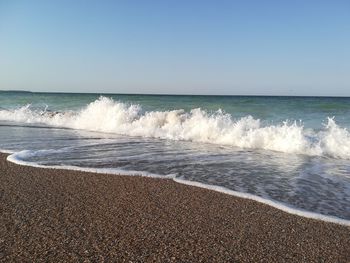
(180, 47)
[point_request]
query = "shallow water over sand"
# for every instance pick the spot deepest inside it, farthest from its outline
(311, 183)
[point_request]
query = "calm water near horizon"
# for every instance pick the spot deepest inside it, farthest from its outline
(293, 150)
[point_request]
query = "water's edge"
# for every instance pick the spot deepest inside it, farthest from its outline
(280, 206)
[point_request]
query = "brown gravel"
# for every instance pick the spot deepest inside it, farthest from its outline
(58, 215)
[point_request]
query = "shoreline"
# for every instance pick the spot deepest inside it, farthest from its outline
(275, 204)
(68, 215)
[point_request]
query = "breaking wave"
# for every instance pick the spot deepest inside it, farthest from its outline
(107, 115)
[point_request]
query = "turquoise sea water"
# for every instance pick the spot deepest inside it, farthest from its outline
(311, 110)
(294, 151)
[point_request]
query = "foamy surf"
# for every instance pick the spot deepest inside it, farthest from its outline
(109, 116)
(284, 207)
(6, 151)
(18, 158)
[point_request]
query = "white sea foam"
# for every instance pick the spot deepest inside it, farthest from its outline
(278, 205)
(19, 158)
(6, 151)
(107, 115)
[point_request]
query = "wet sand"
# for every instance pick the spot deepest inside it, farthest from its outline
(59, 215)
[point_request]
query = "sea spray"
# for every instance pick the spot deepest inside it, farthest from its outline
(109, 116)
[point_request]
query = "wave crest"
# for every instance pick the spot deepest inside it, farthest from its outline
(107, 115)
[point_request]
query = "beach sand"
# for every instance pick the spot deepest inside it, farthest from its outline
(59, 215)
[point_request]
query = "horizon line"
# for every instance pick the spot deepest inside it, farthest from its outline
(172, 94)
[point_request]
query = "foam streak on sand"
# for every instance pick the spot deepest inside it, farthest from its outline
(19, 156)
(107, 115)
(272, 203)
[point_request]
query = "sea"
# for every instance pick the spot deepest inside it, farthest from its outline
(292, 153)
